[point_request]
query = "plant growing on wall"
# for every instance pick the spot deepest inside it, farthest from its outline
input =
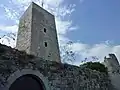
(95, 66)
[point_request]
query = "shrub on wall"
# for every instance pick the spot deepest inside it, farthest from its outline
(2, 50)
(95, 66)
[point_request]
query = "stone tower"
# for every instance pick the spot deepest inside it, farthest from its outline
(112, 63)
(113, 70)
(37, 33)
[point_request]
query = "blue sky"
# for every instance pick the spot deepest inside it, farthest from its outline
(92, 25)
(99, 20)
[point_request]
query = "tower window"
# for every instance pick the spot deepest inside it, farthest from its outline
(45, 44)
(49, 55)
(45, 30)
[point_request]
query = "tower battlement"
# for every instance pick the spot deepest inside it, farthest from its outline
(37, 33)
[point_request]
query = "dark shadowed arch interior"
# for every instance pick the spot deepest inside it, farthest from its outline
(27, 82)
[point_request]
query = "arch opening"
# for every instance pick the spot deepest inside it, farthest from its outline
(27, 82)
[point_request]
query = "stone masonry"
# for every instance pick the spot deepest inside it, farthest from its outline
(113, 70)
(55, 76)
(37, 59)
(37, 33)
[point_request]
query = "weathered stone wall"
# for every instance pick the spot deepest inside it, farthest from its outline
(112, 63)
(24, 32)
(58, 76)
(115, 77)
(38, 34)
(113, 70)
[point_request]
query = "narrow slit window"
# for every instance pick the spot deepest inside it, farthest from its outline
(45, 30)
(45, 44)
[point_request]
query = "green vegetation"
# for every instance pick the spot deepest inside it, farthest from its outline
(30, 56)
(95, 66)
(2, 50)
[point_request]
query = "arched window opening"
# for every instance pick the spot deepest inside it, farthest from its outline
(27, 82)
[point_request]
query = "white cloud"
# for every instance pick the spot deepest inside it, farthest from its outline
(99, 50)
(16, 7)
(62, 26)
(54, 3)
(65, 10)
(79, 47)
(14, 10)
(73, 28)
(8, 41)
(12, 29)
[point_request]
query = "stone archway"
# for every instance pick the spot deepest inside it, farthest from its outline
(27, 78)
(27, 82)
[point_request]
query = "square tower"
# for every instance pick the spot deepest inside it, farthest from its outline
(37, 33)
